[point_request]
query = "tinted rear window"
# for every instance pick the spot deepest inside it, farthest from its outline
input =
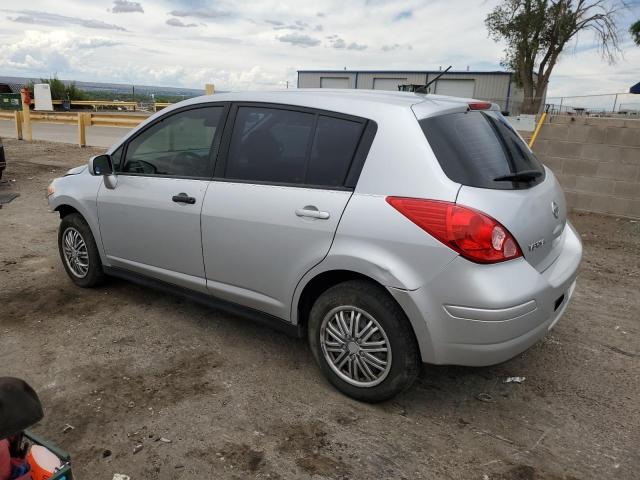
(478, 148)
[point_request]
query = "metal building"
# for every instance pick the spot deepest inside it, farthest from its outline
(498, 87)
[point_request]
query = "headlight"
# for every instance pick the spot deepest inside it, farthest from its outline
(51, 190)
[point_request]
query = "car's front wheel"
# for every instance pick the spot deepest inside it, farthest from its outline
(78, 251)
(363, 342)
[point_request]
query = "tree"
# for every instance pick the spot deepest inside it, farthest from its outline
(537, 31)
(635, 32)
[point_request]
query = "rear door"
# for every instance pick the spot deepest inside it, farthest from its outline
(501, 177)
(150, 221)
(272, 210)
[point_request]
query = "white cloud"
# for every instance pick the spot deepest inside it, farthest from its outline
(49, 53)
(53, 19)
(299, 39)
(125, 6)
(206, 14)
(338, 42)
(235, 45)
(176, 22)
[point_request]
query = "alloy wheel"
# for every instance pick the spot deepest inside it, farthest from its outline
(75, 252)
(355, 346)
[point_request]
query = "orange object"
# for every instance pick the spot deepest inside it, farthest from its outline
(26, 96)
(43, 462)
(5, 460)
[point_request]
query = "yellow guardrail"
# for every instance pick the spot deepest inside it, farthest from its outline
(82, 119)
(106, 120)
(99, 103)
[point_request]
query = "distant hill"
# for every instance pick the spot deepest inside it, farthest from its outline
(113, 87)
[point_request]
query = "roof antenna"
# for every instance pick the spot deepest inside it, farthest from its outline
(423, 88)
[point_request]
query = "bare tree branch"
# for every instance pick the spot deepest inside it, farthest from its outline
(536, 33)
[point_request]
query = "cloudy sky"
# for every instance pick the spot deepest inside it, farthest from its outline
(260, 44)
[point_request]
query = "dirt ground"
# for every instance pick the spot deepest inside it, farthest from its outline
(125, 365)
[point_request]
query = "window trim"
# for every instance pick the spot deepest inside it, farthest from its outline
(214, 150)
(355, 165)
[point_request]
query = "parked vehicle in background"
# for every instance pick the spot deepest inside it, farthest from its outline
(391, 229)
(3, 161)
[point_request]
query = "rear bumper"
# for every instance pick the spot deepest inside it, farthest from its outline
(479, 315)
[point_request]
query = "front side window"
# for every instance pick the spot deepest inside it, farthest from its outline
(178, 146)
(269, 145)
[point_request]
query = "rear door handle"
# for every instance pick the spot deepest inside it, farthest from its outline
(183, 198)
(312, 212)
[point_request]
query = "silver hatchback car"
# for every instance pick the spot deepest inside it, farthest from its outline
(391, 229)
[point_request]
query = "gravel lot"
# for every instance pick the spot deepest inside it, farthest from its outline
(125, 365)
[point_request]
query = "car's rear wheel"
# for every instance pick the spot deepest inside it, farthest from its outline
(363, 342)
(78, 251)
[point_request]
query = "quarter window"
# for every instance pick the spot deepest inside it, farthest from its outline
(334, 145)
(116, 158)
(179, 146)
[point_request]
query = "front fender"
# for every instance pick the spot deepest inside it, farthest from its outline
(80, 193)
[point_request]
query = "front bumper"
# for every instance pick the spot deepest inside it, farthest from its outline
(479, 315)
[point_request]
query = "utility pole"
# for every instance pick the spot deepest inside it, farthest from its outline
(287, 84)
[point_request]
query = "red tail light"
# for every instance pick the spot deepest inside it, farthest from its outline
(471, 233)
(480, 106)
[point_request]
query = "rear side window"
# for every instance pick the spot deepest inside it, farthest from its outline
(269, 145)
(293, 147)
(481, 149)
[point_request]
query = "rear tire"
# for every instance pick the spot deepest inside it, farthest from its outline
(363, 341)
(79, 252)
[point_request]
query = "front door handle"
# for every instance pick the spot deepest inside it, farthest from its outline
(312, 212)
(183, 198)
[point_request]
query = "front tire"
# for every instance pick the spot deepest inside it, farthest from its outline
(79, 252)
(363, 342)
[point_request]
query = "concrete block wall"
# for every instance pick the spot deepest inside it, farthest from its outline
(596, 160)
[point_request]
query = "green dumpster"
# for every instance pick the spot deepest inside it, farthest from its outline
(9, 101)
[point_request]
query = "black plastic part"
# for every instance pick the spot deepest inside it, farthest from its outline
(558, 302)
(210, 301)
(20, 407)
(361, 154)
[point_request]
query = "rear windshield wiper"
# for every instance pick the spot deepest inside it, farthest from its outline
(522, 176)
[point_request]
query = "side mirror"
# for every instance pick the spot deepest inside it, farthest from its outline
(100, 165)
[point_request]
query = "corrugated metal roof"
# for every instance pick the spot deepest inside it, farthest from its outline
(472, 72)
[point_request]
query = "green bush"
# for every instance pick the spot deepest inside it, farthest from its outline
(60, 91)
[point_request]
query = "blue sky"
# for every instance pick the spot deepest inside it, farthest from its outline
(261, 44)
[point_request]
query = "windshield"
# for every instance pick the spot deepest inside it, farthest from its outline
(481, 149)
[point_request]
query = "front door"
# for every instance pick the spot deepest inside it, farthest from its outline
(272, 213)
(150, 221)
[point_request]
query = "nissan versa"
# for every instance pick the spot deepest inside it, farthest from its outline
(390, 228)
